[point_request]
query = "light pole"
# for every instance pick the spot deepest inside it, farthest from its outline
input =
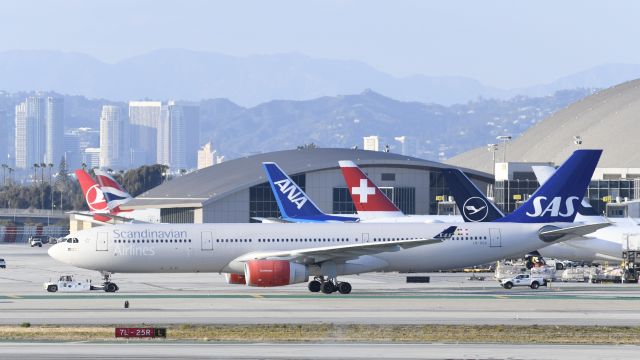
(504, 139)
(493, 148)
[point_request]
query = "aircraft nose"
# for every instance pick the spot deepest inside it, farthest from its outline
(56, 252)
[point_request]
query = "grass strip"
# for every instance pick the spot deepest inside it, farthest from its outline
(503, 334)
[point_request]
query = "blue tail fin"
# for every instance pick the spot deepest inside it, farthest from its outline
(471, 202)
(293, 203)
(558, 199)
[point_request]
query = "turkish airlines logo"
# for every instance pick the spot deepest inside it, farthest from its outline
(475, 209)
(363, 191)
(95, 198)
(553, 207)
(289, 189)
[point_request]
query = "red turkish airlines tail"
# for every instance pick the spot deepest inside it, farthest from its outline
(93, 195)
(369, 201)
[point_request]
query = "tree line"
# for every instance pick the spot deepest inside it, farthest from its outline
(62, 191)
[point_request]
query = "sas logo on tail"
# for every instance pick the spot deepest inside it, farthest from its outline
(289, 189)
(554, 207)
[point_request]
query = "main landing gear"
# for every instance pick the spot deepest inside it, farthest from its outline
(328, 286)
(107, 285)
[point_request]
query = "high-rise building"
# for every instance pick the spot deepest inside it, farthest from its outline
(176, 136)
(207, 156)
(4, 137)
(113, 150)
(371, 143)
(54, 129)
(91, 157)
(144, 118)
(30, 132)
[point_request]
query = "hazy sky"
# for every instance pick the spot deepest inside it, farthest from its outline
(501, 43)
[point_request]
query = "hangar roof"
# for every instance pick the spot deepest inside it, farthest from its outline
(215, 182)
(605, 120)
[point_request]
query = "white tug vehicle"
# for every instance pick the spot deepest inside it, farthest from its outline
(69, 283)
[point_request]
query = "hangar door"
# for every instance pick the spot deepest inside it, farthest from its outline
(207, 240)
(102, 241)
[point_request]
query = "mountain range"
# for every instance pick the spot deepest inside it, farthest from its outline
(252, 80)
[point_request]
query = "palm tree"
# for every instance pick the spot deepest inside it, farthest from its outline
(35, 172)
(50, 170)
(42, 167)
(4, 178)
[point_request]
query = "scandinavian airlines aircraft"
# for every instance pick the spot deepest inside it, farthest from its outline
(282, 254)
(602, 245)
(373, 206)
(475, 207)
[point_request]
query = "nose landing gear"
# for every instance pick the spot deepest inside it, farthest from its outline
(107, 285)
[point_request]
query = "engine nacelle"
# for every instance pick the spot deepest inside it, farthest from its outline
(266, 273)
(235, 279)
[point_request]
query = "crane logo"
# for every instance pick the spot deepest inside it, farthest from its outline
(475, 209)
(95, 198)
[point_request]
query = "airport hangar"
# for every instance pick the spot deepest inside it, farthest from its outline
(236, 191)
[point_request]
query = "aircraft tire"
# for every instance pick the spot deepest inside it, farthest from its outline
(314, 286)
(110, 287)
(344, 288)
(327, 287)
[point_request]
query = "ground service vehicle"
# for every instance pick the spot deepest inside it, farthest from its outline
(531, 281)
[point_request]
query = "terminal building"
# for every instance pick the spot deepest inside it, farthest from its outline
(236, 191)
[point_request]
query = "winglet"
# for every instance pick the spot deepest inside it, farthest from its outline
(447, 233)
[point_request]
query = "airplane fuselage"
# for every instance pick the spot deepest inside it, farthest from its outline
(157, 248)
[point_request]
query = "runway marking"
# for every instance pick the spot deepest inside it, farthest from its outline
(490, 296)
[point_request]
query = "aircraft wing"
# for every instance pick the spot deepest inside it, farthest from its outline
(572, 231)
(345, 252)
(271, 220)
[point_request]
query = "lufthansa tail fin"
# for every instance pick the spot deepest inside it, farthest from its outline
(471, 202)
(369, 201)
(93, 195)
(559, 198)
(293, 203)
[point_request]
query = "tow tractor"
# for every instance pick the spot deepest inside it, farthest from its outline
(69, 283)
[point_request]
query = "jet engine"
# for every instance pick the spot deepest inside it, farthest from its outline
(266, 273)
(235, 279)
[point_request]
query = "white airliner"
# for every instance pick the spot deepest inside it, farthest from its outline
(603, 245)
(282, 254)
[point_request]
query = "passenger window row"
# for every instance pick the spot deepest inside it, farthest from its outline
(307, 240)
(391, 239)
(469, 238)
(167, 241)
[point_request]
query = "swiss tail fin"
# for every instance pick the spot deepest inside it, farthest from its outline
(293, 203)
(369, 201)
(114, 194)
(558, 199)
(471, 202)
(93, 195)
